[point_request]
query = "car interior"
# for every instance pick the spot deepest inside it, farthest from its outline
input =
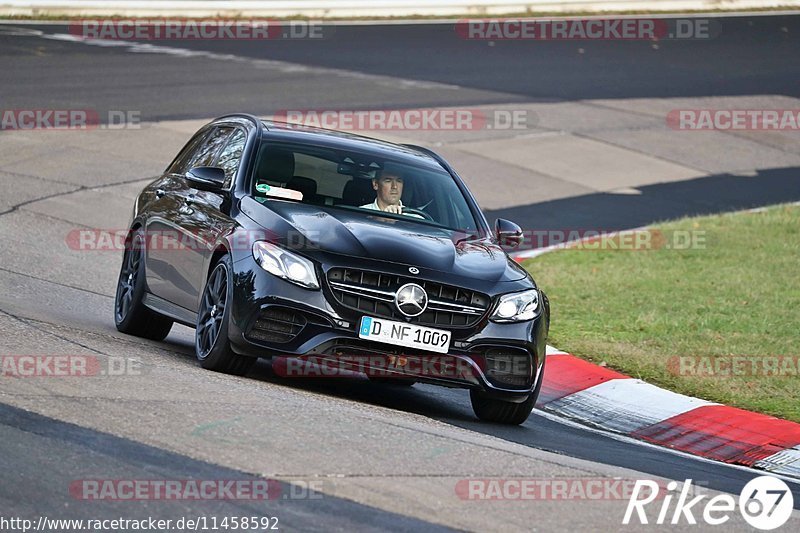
(327, 178)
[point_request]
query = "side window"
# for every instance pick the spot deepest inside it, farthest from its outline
(231, 156)
(180, 165)
(212, 144)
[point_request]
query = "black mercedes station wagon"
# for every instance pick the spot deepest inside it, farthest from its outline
(333, 254)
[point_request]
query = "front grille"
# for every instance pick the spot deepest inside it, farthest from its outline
(373, 293)
(277, 324)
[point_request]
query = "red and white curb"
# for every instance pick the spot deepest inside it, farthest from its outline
(603, 398)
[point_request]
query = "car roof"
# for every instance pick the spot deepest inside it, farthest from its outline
(338, 140)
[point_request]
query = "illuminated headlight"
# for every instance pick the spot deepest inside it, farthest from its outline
(285, 264)
(517, 307)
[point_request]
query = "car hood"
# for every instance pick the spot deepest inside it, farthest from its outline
(312, 228)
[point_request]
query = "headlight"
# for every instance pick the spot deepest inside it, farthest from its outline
(285, 264)
(517, 307)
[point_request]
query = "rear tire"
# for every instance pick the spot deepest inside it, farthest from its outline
(212, 347)
(131, 316)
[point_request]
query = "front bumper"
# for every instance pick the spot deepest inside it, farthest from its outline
(273, 318)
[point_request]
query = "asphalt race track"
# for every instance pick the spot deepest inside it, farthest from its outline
(596, 153)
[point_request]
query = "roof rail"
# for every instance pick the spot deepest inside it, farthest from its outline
(246, 116)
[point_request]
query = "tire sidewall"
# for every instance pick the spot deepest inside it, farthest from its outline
(138, 290)
(491, 410)
(221, 346)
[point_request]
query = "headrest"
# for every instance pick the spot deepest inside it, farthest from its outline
(276, 165)
(307, 186)
(358, 191)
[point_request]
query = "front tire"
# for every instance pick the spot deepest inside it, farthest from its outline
(131, 316)
(499, 411)
(212, 347)
(503, 412)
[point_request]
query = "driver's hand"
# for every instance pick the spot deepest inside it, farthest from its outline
(394, 209)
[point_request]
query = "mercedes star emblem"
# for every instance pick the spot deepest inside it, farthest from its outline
(411, 299)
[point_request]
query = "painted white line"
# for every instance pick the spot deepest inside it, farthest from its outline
(553, 417)
(14, 31)
(624, 405)
(281, 66)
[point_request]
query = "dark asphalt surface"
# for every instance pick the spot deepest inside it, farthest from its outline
(751, 56)
(48, 456)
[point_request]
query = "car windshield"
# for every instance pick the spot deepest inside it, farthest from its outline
(361, 182)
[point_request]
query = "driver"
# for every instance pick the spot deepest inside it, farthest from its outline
(388, 190)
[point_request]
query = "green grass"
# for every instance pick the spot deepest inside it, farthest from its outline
(738, 295)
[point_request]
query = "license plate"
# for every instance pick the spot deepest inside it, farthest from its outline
(402, 334)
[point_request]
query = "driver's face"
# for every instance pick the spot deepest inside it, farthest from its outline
(389, 189)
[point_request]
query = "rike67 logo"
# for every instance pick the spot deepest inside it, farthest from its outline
(765, 503)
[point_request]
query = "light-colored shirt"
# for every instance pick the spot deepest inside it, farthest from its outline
(374, 205)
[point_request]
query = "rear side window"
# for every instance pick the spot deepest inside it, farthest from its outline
(205, 156)
(231, 156)
(201, 150)
(180, 165)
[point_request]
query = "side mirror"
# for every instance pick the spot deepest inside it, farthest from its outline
(206, 178)
(508, 233)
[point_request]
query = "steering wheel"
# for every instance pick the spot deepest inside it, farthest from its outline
(419, 212)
